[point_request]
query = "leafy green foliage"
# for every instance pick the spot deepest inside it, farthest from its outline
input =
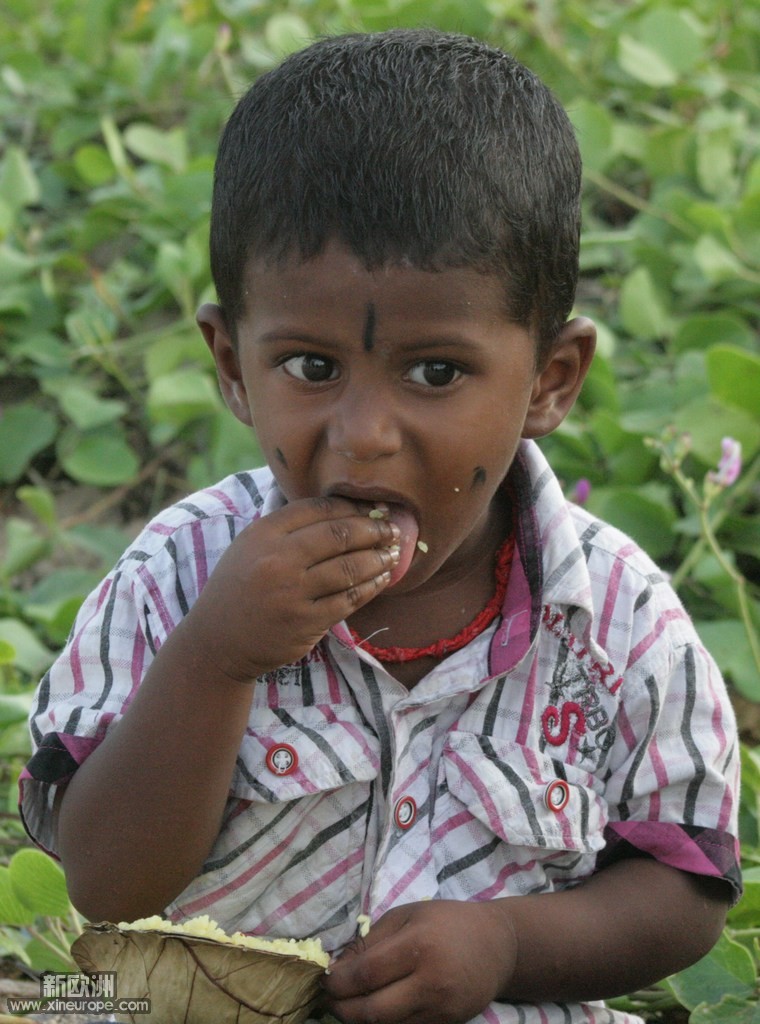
(109, 116)
(39, 922)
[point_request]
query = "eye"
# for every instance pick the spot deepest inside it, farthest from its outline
(310, 367)
(434, 373)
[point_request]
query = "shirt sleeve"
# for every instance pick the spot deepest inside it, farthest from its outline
(85, 692)
(673, 793)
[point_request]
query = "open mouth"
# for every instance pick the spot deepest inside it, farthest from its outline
(384, 505)
(409, 528)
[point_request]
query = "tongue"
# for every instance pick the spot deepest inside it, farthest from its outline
(407, 524)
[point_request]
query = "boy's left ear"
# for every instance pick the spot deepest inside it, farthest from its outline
(559, 381)
(216, 333)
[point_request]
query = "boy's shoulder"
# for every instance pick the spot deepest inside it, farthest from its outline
(225, 507)
(600, 538)
(559, 527)
(630, 594)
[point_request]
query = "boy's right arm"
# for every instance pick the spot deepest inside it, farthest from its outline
(140, 815)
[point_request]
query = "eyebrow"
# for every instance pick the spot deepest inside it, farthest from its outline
(443, 341)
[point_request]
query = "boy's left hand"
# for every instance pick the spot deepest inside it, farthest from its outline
(437, 962)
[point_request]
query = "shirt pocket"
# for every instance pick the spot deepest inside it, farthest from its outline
(530, 820)
(289, 858)
(291, 753)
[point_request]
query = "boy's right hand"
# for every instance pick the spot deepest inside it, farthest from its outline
(285, 581)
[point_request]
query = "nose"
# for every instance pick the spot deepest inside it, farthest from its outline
(364, 425)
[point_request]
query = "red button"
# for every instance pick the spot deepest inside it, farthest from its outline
(282, 759)
(405, 813)
(557, 795)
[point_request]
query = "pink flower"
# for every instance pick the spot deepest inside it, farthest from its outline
(582, 491)
(730, 464)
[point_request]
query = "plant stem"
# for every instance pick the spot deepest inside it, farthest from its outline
(76, 923)
(739, 582)
(637, 203)
(59, 951)
(114, 497)
(709, 540)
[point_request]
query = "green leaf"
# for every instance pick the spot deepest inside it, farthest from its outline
(18, 183)
(734, 376)
(56, 599)
(284, 33)
(107, 543)
(594, 127)
(14, 265)
(231, 446)
(182, 396)
(644, 63)
(702, 330)
(730, 1010)
(31, 656)
(87, 410)
(716, 161)
(94, 165)
(746, 226)
(156, 146)
(25, 431)
(43, 958)
(12, 945)
(709, 421)
(728, 969)
(600, 389)
(716, 262)
(675, 35)
(24, 544)
(642, 306)
(175, 350)
(12, 909)
(728, 643)
(39, 883)
(44, 350)
(647, 521)
(40, 501)
(104, 459)
(14, 707)
(746, 913)
(627, 460)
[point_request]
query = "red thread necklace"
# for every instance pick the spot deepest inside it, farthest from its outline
(481, 622)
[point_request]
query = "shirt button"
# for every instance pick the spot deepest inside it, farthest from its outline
(282, 759)
(557, 795)
(405, 813)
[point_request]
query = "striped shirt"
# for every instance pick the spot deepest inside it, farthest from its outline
(587, 723)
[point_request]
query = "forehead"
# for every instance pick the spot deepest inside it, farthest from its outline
(337, 283)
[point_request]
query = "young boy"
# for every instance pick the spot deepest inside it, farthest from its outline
(395, 673)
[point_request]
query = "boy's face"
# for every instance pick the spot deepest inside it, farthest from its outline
(399, 386)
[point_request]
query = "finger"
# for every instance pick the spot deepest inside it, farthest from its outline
(322, 541)
(306, 511)
(362, 968)
(336, 607)
(339, 574)
(401, 1002)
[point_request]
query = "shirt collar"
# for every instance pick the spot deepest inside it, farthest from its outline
(549, 567)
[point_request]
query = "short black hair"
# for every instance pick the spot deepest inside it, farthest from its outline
(407, 145)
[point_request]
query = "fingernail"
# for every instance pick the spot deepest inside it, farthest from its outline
(395, 552)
